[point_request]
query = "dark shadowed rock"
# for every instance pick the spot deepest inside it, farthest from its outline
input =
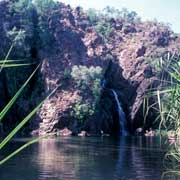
(129, 29)
(140, 51)
(126, 58)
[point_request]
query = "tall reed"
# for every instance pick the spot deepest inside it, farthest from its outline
(167, 107)
(167, 95)
(6, 63)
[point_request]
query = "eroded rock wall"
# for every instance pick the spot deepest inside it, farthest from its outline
(126, 58)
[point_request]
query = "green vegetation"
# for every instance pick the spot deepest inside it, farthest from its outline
(85, 77)
(25, 26)
(166, 97)
(10, 63)
(104, 28)
(44, 9)
(12, 101)
(88, 80)
(166, 104)
(93, 15)
(82, 110)
(67, 73)
(29, 25)
(10, 104)
(21, 125)
(21, 148)
(111, 12)
(172, 161)
(103, 20)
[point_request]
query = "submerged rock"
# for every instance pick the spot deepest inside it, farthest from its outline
(83, 134)
(64, 132)
(139, 132)
(150, 133)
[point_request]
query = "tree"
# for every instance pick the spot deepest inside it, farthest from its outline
(45, 6)
(44, 9)
(88, 80)
(24, 19)
(93, 15)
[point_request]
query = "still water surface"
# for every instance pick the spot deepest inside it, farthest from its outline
(89, 158)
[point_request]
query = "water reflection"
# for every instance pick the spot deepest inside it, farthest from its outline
(54, 161)
(87, 159)
(141, 160)
(78, 160)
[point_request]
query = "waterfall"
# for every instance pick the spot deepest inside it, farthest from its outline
(122, 117)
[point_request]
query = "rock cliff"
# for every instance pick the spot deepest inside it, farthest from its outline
(126, 58)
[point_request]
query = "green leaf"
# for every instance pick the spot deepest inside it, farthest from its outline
(9, 61)
(18, 93)
(175, 76)
(15, 65)
(20, 125)
(24, 121)
(21, 148)
(9, 51)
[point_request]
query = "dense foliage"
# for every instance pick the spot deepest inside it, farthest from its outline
(168, 100)
(104, 20)
(88, 79)
(168, 93)
(30, 26)
(41, 23)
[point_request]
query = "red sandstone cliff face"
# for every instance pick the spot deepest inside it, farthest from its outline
(136, 53)
(72, 46)
(126, 58)
(78, 43)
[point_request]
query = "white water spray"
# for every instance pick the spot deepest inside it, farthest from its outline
(122, 117)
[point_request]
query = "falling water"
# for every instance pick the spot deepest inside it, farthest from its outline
(122, 117)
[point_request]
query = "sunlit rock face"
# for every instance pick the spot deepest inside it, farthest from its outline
(129, 71)
(126, 57)
(72, 46)
(54, 108)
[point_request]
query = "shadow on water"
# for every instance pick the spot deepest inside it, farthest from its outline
(141, 160)
(86, 159)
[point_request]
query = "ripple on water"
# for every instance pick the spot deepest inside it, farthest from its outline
(76, 158)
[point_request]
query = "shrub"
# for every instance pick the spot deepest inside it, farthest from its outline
(104, 28)
(85, 77)
(92, 15)
(67, 73)
(168, 100)
(168, 93)
(44, 10)
(96, 89)
(102, 20)
(88, 81)
(17, 36)
(82, 110)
